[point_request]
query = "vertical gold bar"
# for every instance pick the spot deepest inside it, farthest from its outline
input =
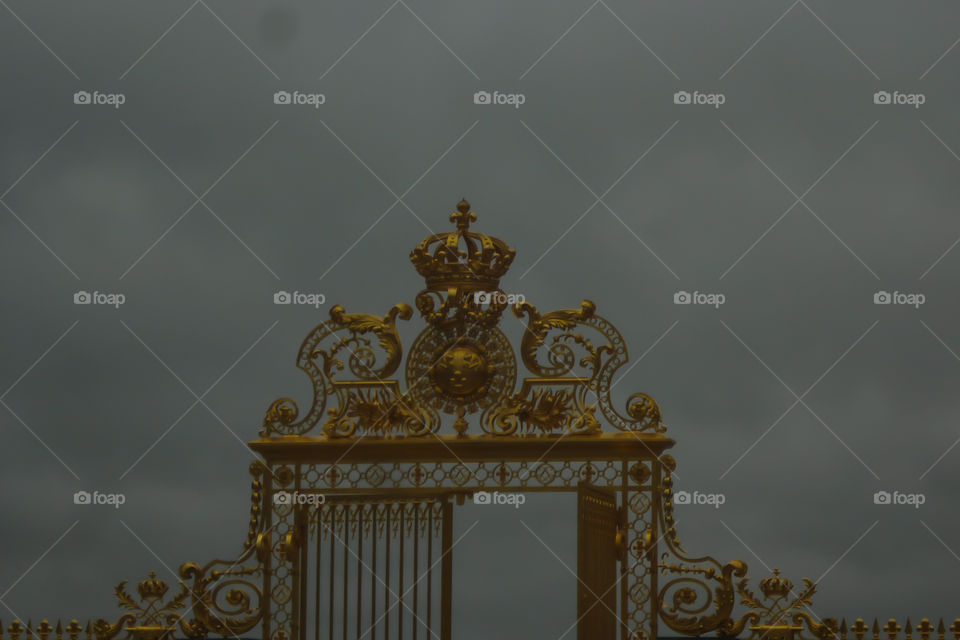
(373, 583)
(430, 568)
(403, 522)
(333, 565)
(361, 522)
(446, 577)
(386, 583)
(655, 510)
(346, 566)
(416, 565)
(318, 549)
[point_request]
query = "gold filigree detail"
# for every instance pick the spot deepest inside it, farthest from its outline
(540, 407)
(377, 409)
(320, 357)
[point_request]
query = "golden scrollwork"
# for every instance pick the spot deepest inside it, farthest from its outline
(540, 406)
(699, 594)
(378, 409)
(347, 334)
(224, 596)
(782, 613)
(549, 349)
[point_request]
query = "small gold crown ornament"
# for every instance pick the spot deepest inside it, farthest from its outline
(152, 587)
(775, 586)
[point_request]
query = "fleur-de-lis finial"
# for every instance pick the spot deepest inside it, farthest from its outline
(463, 216)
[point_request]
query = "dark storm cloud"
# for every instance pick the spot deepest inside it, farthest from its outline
(276, 196)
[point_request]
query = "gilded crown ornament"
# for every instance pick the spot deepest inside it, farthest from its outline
(462, 258)
(152, 588)
(776, 586)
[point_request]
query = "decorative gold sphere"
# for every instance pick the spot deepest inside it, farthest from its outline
(461, 370)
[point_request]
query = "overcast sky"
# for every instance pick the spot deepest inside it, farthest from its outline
(798, 199)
